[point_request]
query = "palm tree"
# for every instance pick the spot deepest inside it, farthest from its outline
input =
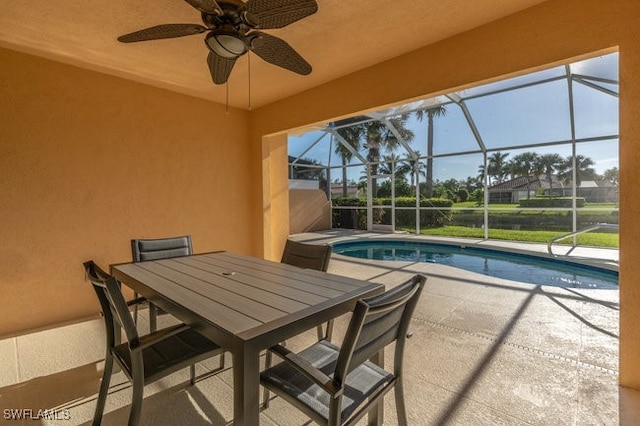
(352, 135)
(377, 138)
(583, 169)
(436, 111)
(481, 175)
(403, 169)
(498, 166)
(611, 175)
(550, 163)
(472, 183)
(392, 165)
(525, 165)
(414, 168)
(362, 180)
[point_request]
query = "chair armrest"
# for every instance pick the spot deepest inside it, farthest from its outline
(152, 338)
(306, 368)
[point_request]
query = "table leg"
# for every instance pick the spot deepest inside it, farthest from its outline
(246, 387)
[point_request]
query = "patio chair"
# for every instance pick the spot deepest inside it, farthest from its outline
(162, 248)
(99, 274)
(143, 359)
(304, 255)
(338, 385)
(159, 248)
(309, 256)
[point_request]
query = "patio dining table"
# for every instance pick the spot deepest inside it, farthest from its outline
(245, 305)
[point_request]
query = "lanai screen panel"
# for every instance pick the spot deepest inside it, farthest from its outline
(560, 111)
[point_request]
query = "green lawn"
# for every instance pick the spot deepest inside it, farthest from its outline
(589, 239)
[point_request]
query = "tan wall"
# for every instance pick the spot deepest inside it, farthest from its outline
(552, 32)
(88, 162)
(309, 210)
(275, 198)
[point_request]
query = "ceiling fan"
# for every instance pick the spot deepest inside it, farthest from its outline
(233, 28)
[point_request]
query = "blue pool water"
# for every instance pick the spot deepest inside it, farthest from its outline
(512, 266)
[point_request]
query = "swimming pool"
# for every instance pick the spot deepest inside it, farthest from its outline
(513, 266)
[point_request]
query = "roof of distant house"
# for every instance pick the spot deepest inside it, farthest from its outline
(520, 183)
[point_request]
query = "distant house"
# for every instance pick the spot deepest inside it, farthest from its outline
(336, 190)
(596, 191)
(514, 190)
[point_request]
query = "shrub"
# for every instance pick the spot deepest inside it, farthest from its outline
(349, 218)
(478, 196)
(428, 218)
(463, 195)
(402, 189)
(357, 218)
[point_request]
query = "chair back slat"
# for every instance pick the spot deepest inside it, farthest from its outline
(309, 256)
(377, 322)
(122, 311)
(376, 333)
(161, 248)
(97, 277)
(112, 302)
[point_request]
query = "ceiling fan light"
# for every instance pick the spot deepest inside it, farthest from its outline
(227, 45)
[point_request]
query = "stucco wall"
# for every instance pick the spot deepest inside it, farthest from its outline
(309, 210)
(88, 162)
(553, 32)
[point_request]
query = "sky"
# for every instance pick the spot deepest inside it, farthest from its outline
(528, 115)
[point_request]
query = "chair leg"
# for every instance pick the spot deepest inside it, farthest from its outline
(266, 393)
(329, 330)
(117, 333)
(400, 406)
(335, 410)
(104, 389)
(135, 309)
(153, 314)
(325, 336)
(192, 370)
(320, 332)
(136, 401)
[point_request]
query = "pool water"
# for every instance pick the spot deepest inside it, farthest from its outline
(512, 266)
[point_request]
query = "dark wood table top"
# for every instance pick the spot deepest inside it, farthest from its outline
(242, 295)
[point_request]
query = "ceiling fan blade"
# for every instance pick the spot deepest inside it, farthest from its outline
(206, 6)
(280, 13)
(162, 31)
(278, 52)
(220, 67)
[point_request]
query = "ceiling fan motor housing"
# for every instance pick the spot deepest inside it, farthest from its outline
(226, 43)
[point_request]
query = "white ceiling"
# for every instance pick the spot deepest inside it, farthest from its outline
(342, 37)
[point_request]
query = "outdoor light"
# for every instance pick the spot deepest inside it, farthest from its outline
(227, 44)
